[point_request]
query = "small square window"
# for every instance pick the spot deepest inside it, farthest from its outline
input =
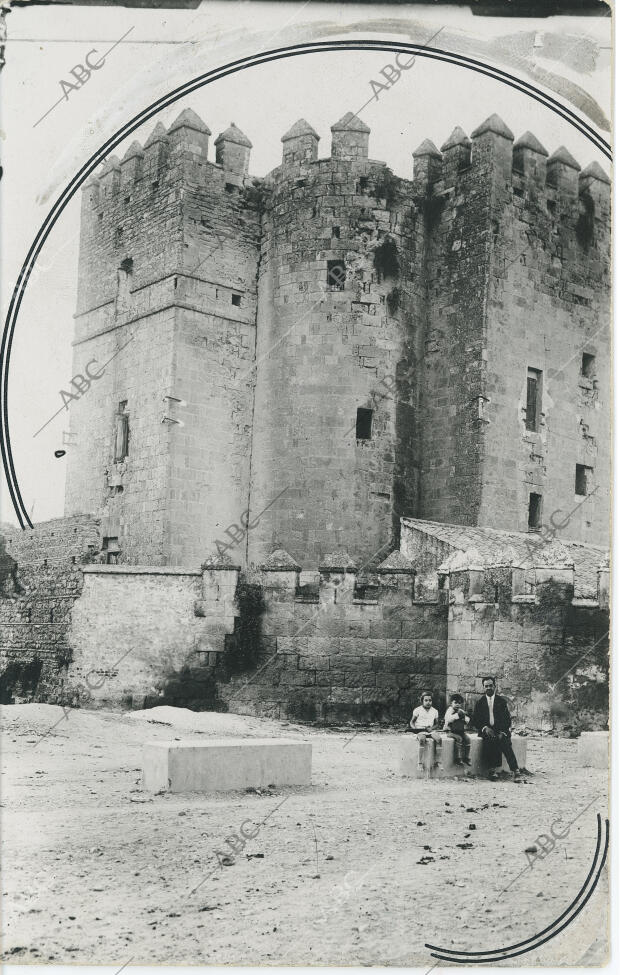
(534, 515)
(230, 187)
(588, 363)
(100, 217)
(583, 480)
(362, 184)
(236, 300)
(336, 232)
(336, 275)
(363, 424)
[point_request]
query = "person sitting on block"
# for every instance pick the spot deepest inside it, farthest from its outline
(425, 723)
(492, 719)
(455, 721)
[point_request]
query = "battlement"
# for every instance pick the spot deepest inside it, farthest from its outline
(491, 149)
(388, 303)
(169, 156)
(524, 163)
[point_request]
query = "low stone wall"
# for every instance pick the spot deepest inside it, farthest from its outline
(548, 651)
(348, 648)
(339, 656)
(40, 580)
(59, 540)
(150, 635)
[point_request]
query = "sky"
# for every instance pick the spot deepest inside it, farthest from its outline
(162, 49)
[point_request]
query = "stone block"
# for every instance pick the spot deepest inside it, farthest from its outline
(385, 629)
(360, 680)
(285, 644)
(436, 759)
(529, 654)
(345, 695)
(543, 634)
(224, 764)
(353, 662)
(298, 678)
(394, 664)
(321, 646)
(593, 749)
(313, 662)
(502, 649)
(409, 613)
(377, 695)
(438, 648)
(398, 681)
(424, 629)
(507, 631)
(487, 668)
(401, 648)
(331, 627)
(357, 628)
(459, 630)
(482, 629)
(479, 767)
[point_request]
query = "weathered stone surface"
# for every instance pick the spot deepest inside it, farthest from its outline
(224, 764)
(431, 324)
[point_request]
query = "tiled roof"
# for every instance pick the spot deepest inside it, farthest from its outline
(527, 548)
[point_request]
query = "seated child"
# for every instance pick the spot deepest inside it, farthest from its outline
(425, 723)
(455, 722)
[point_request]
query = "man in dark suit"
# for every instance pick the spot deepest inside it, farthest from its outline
(492, 719)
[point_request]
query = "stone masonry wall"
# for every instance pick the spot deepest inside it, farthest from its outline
(244, 322)
(456, 199)
(548, 304)
(340, 656)
(328, 343)
(516, 264)
(353, 647)
(130, 496)
(548, 651)
(41, 580)
(165, 324)
(145, 635)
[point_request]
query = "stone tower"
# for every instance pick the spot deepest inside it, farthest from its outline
(337, 330)
(167, 300)
(331, 348)
(515, 402)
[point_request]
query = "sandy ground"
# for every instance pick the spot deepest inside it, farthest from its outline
(364, 867)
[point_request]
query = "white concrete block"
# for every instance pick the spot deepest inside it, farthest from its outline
(437, 759)
(479, 767)
(593, 749)
(222, 764)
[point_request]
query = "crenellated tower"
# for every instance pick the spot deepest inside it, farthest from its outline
(321, 352)
(516, 381)
(334, 423)
(167, 312)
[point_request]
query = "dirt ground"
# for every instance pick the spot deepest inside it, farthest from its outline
(364, 867)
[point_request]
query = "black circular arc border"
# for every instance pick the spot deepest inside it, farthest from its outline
(437, 54)
(459, 957)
